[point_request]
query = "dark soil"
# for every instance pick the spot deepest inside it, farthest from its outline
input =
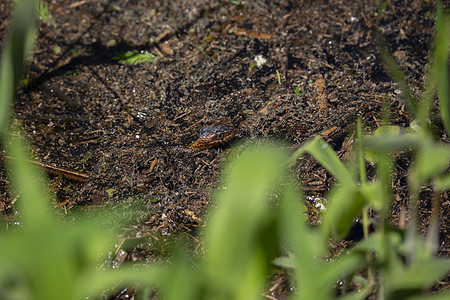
(128, 128)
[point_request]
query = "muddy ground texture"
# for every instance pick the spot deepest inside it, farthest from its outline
(284, 69)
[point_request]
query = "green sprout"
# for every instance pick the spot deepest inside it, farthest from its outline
(77, 52)
(43, 12)
(135, 57)
(111, 192)
(382, 8)
(298, 90)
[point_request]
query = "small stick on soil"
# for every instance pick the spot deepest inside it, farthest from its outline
(55, 170)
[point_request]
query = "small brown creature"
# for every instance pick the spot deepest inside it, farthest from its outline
(215, 135)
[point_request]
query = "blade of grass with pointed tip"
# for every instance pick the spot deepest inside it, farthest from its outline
(325, 155)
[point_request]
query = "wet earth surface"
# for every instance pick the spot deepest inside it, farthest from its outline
(226, 72)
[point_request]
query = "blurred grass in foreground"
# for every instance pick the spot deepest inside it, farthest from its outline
(257, 223)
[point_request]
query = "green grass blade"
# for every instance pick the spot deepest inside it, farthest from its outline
(346, 204)
(361, 159)
(325, 155)
(33, 198)
(239, 236)
(443, 183)
(442, 63)
(421, 275)
(315, 277)
(432, 160)
(306, 245)
(17, 48)
(439, 296)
